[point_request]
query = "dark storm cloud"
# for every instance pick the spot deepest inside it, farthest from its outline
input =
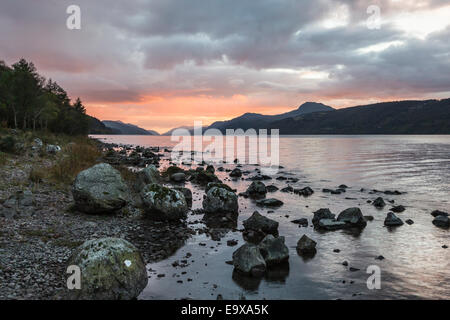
(127, 50)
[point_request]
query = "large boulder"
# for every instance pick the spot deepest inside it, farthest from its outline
(353, 217)
(163, 203)
(111, 269)
(273, 250)
(148, 175)
(257, 189)
(392, 220)
(248, 260)
(100, 189)
(442, 221)
(219, 199)
(306, 246)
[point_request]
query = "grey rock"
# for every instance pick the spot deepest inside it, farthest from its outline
(436, 213)
(100, 189)
(273, 250)
(271, 202)
(392, 220)
(353, 217)
(441, 222)
(379, 202)
(111, 269)
(148, 175)
(236, 173)
(163, 203)
(178, 177)
(220, 200)
(248, 260)
(257, 189)
(306, 246)
(331, 224)
(320, 214)
(187, 194)
(52, 149)
(258, 222)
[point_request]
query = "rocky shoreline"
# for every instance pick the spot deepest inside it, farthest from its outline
(42, 224)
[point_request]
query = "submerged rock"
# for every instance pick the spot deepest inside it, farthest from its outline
(306, 246)
(273, 250)
(163, 203)
(271, 202)
(100, 189)
(442, 222)
(248, 259)
(392, 220)
(111, 269)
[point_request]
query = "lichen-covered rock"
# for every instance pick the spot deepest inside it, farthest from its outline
(220, 200)
(273, 250)
(306, 246)
(353, 217)
(258, 222)
(211, 185)
(392, 220)
(163, 203)
(148, 175)
(248, 260)
(111, 269)
(100, 189)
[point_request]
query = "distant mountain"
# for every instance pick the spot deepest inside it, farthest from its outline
(97, 127)
(258, 121)
(189, 128)
(118, 127)
(400, 117)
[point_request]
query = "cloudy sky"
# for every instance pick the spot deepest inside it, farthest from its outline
(164, 63)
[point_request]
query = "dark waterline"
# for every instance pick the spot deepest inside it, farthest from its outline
(415, 265)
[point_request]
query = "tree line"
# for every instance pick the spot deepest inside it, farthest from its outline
(29, 101)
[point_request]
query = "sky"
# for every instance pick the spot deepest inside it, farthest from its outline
(161, 64)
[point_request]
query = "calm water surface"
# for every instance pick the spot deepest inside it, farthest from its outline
(415, 265)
